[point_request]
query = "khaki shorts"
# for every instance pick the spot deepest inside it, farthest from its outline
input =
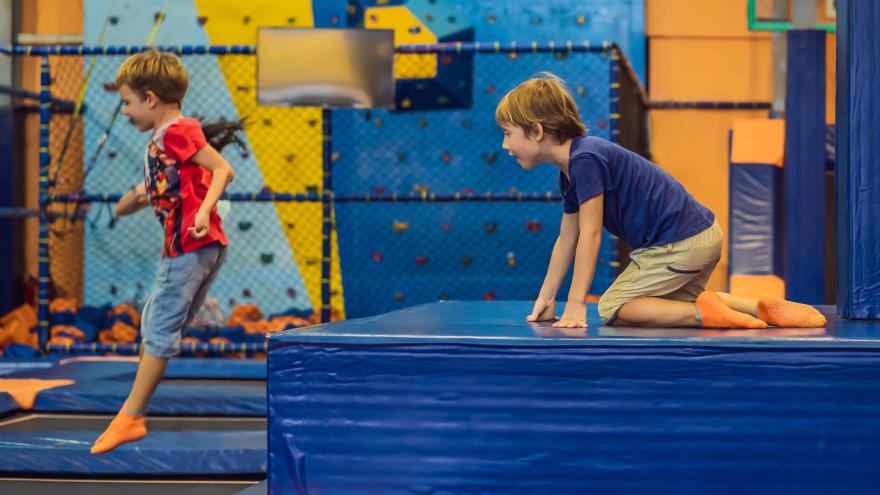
(677, 271)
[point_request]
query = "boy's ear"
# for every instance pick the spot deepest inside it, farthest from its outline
(538, 131)
(150, 98)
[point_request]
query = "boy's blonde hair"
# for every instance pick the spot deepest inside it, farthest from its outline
(542, 100)
(152, 70)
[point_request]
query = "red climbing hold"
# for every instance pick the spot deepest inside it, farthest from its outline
(421, 260)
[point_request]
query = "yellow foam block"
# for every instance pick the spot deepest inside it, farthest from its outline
(758, 141)
(753, 286)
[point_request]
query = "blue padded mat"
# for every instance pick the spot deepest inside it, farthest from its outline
(503, 323)
(103, 384)
(160, 453)
(105, 396)
(468, 398)
(95, 368)
(7, 403)
(9, 366)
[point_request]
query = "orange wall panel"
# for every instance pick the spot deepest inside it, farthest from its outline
(711, 69)
(698, 18)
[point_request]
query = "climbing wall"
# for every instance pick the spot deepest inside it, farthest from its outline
(275, 253)
(396, 254)
(442, 139)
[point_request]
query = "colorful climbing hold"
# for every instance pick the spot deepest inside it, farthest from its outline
(466, 260)
(489, 296)
(533, 226)
(511, 259)
(490, 227)
(266, 258)
(421, 260)
(399, 226)
(377, 256)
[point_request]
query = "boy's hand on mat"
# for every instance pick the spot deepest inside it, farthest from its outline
(201, 225)
(575, 316)
(544, 310)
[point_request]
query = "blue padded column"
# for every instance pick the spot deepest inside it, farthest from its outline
(858, 159)
(805, 167)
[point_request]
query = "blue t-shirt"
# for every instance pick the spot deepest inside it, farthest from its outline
(643, 205)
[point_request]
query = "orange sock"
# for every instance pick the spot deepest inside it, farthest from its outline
(782, 313)
(123, 429)
(715, 314)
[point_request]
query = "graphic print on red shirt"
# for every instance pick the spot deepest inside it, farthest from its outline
(176, 185)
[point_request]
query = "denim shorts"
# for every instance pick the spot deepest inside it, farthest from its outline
(181, 286)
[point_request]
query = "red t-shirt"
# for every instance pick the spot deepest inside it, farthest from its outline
(176, 185)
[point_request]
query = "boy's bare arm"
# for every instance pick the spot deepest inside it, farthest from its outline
(586, 254)
(221, 171)
(132, 201)
(221, 176)
(560, 260)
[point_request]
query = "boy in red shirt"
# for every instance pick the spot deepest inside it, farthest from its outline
(184, 177)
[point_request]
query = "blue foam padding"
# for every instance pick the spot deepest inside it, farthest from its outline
(105, 396)
(179, 368)
(260, 488)
(20, 351)
(102, 386)
(241, 369)
(7, 403)
(858, 149)
(503, 323)
(804, 261)
(468, 398)
(755, 231)
(160, 453)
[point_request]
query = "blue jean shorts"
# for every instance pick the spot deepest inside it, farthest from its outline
(181, 286)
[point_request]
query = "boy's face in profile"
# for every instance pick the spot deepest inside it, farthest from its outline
(525, 149)
(140, 111)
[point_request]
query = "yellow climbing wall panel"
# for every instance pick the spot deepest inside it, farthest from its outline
(408, 30)
(286, 142)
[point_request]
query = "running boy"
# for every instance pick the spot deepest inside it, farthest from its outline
(676, 241)
(184, 177)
